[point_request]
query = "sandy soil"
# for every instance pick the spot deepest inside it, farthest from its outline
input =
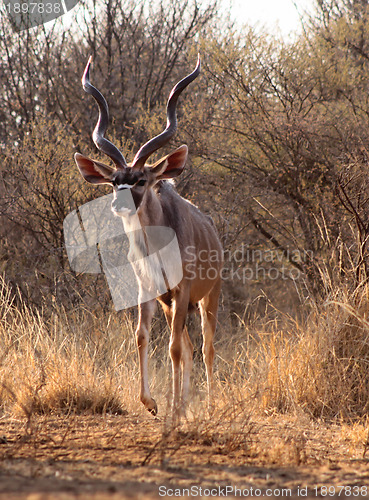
(126, 456)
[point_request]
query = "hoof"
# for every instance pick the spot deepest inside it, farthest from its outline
(152, 407)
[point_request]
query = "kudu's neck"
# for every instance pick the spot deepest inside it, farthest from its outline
(149, 213)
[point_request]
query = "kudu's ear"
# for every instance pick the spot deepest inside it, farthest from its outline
(172, 165)
(93, 171)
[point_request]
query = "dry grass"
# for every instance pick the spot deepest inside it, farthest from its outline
(76, 362)
(59, 365)
(319, 367)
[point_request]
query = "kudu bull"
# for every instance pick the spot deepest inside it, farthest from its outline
(158, 204)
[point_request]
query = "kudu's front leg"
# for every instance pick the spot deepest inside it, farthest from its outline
(186, 356)
(145, 314)
(179, 352)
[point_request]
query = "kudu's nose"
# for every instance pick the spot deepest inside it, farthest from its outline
(122, 200)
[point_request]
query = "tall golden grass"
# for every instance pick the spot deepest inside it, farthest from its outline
(75, 362)
(64, 364)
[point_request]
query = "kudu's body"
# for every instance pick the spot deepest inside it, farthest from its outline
(158, 204)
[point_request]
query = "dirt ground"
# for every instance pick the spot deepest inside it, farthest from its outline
(139, 456)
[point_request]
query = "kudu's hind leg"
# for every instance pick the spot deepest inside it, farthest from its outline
(145, 314)
(209, 313)
(187, 362)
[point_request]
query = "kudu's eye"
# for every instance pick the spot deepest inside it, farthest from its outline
(142, 182)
